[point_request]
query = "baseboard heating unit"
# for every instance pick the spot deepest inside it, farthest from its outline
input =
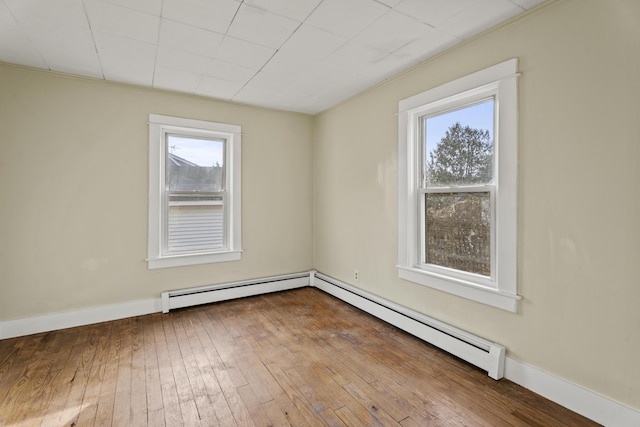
(482, 353)
(246, 288)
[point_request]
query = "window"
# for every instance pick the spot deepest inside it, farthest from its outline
(457, 163)
(194, 192)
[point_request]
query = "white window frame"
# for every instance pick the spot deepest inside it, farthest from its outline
(499, 290)
(159, 127)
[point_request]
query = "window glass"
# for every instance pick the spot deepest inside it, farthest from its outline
(459, 146)
(458, 154)
(195, 164)
(195, 179)
(458, 231)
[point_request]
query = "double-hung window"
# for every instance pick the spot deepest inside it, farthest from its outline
(457, 156)
(194, 192)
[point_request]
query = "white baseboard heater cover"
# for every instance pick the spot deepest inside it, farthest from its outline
(484, 354)
(226, 291)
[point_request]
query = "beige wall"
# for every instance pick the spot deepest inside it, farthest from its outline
(73, 186)
(579, 192)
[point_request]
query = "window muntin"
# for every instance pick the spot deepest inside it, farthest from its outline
(194, 192)
(423, 201)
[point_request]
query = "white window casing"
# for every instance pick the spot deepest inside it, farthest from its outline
(200, 229)
(500, 289)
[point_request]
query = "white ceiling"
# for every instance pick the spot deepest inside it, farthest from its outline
(297, 55)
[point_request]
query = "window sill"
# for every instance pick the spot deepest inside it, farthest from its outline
(193, 259)
(468, 290)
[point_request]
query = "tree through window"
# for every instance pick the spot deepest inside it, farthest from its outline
(457, 186)
(458, 222)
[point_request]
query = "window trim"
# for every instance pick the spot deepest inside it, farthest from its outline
(159, 126)
(501, 80)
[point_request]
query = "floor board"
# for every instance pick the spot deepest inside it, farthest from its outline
(294, 358)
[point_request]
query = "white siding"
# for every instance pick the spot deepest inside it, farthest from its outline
(195, 227)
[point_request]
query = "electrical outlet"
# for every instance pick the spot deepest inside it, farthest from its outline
(356, 275)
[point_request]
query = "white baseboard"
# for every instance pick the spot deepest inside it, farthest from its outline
(70, 319)
(585, 402)
(578, 399)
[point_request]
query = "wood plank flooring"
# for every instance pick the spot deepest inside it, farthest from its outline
(299, 358)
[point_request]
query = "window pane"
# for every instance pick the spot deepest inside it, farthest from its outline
(195, 164)
(458, 231)
(459, 146)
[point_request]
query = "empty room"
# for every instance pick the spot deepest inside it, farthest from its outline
(319, 212)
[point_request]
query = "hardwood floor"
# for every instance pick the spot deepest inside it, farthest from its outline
(293, 358)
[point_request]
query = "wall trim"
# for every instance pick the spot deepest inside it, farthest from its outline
(85, 316)
(587, 403)
(576, 398)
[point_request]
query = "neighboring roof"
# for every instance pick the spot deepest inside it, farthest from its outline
(179, 161)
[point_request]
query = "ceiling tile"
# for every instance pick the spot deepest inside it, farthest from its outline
(264, 86)
(15, 46)
(330, 75)
(176, 35)
(288, 64)
(181, 60)
(61, 12)
(390, 3)
(69, 50)
(109, 18)
(346, 17)
(126, 60)
(230, 72)
(479, 17)
(330, 90)
(433, 12)
(243, 53)
(261, 27)
(178, 80)
(369, 66)
(304, 50)
(298, 9)
(216, 88)
(527, 4)
(71, 62)
(60, 32)
(302, 55)
(431, 43)
(321, 97)
(214, 15)
(271, 81)
(310, 42)
(390, 32)
(152, 7)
